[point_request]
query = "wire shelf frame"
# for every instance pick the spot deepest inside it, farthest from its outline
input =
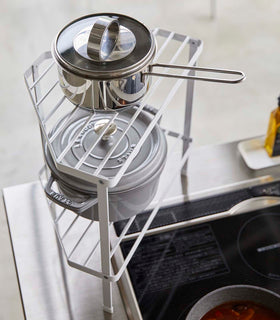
(75, 233)
(32, 82)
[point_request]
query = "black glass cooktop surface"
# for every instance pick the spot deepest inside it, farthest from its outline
(170, 271)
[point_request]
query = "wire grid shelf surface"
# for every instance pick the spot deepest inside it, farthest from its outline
(52, 104)
(79, 238)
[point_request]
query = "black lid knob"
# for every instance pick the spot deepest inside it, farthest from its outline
(278, 101)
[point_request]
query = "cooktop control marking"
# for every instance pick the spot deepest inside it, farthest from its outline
(267, 248)
(176, 258)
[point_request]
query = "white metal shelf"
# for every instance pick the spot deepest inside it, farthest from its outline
(84, 226)
(73, 231)
(182, 44)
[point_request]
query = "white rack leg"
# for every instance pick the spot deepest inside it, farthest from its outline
(213, 9)
(103, 210)
(188, 106)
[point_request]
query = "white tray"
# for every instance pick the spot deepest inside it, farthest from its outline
(255, 155)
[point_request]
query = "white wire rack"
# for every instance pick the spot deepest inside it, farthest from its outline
(74, 232)
(33, 78)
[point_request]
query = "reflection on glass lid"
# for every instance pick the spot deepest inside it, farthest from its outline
(124, 46)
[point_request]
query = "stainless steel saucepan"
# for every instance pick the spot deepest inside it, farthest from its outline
(105, 61)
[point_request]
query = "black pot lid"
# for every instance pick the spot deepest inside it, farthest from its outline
(104, 46)
(149, 159)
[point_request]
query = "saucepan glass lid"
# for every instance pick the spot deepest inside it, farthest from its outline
(104, 46)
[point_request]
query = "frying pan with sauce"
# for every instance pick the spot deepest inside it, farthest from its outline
(237, 293)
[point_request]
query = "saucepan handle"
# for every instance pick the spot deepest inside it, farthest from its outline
(209, 79)
(66, 202)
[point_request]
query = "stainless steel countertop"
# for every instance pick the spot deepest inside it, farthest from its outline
(37, 259)
(51, 290)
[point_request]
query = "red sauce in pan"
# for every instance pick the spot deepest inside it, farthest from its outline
(241, 310)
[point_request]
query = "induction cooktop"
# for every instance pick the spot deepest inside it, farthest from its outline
(171, 270)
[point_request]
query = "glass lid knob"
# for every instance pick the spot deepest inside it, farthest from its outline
(104, 41)
(102, 38)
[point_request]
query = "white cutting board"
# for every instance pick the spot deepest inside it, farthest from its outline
(255, 155)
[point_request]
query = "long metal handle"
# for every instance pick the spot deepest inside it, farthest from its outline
(177, 76)
(239, 207)
(65, 202)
